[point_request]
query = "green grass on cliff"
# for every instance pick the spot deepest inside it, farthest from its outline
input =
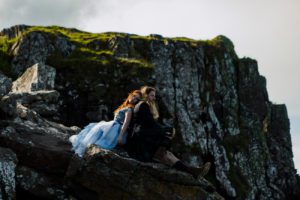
(84, 42)
(85, 51)
(5, 55)
(136, 62)
(93, 52)
(74, 35)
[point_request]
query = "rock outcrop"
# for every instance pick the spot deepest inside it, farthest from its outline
(36, 47)
(37, 77)
(110, 176)
(217, 101)
(14, 31)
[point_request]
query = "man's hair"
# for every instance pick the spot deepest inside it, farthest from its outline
(152, 104)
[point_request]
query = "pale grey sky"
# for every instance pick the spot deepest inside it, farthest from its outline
(265, 30)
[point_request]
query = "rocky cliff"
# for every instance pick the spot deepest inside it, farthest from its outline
(55, 80)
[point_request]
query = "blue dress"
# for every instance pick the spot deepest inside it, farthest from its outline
(103, 134)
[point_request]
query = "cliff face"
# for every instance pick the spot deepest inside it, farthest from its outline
(217, 102)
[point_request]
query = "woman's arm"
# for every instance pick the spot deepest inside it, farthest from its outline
(128, 116)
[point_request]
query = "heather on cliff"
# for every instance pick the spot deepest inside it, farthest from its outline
(217, 101)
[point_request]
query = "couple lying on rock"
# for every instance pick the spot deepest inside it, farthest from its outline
(135, 127)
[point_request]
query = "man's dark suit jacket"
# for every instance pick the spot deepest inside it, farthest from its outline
(145, 134)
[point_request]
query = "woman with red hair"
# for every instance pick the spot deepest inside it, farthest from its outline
(107, 134)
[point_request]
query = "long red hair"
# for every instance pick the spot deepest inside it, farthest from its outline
(126, 102)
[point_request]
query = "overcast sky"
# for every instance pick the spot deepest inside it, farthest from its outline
(265, 30)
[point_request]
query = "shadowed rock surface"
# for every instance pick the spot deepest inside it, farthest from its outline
(5, 85)
(8, 163)
(110, 176)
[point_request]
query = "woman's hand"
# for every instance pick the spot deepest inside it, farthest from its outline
(128, 116)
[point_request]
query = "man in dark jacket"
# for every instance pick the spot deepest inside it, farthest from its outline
(149, 141)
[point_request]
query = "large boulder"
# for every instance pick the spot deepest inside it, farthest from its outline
(102, 174)
(39, 145)
(37, 77)
(43, 152)
(38, 142)
(42, 102)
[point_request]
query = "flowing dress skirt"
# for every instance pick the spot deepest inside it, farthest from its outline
(103, 134)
